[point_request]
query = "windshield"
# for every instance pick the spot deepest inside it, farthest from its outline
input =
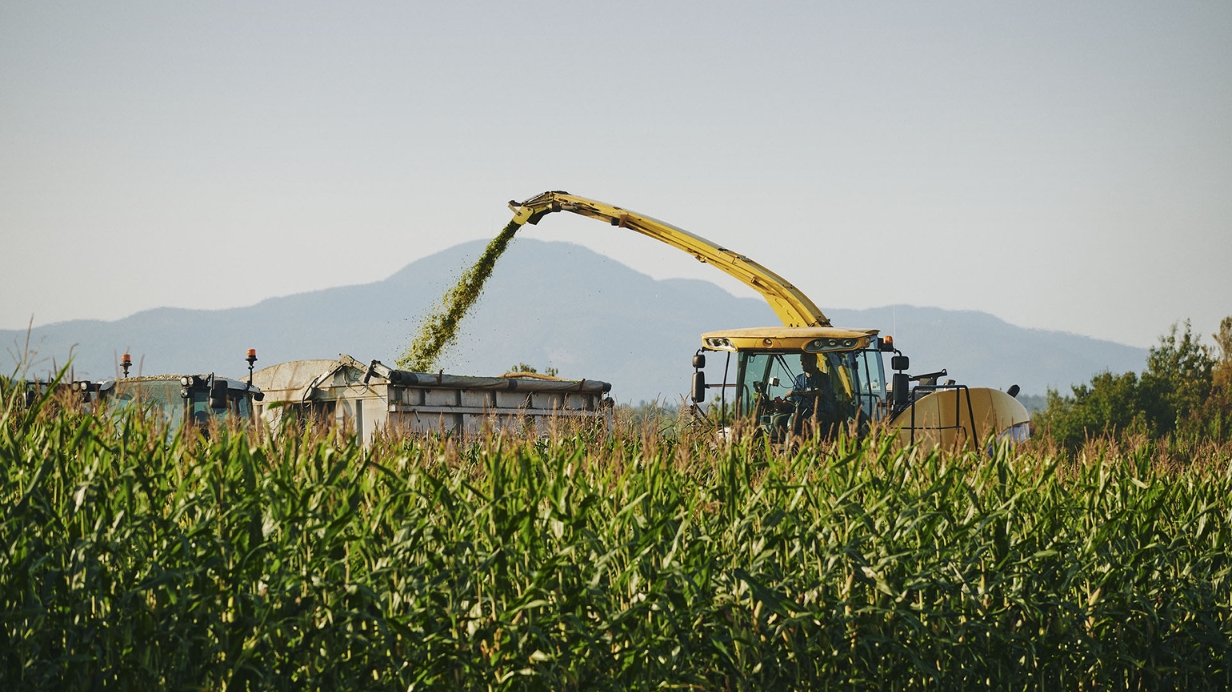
(781, 391)
(199, 406)
(161, 397)
(165, 399)
(871, 378)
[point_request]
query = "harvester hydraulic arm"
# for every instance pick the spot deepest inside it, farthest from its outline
(793, 307)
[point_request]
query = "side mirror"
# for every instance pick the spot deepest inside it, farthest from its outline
(902, 388)
(699, 360)
(900, 363)
(218, 394)
(699, 387)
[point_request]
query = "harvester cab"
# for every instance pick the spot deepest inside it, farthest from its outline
(782, 381)
(785, 380)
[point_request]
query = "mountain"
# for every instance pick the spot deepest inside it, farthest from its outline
(551, 304)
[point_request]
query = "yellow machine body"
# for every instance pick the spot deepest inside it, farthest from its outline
(954, 418)
(792, 307)
(945, 417)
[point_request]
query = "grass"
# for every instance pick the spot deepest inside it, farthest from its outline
(602, 560)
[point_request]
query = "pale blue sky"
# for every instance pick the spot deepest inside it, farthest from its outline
(1061, 165)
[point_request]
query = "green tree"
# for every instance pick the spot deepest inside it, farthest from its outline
(1184, 388)
(1177, 381)
(1218, 414)
(1110, 404)
(1223, 341)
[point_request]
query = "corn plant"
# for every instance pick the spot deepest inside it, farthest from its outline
(629, 559)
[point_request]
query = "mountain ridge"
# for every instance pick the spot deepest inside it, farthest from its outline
(557, 304)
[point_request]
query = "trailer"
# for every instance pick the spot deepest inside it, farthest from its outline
(371, 397)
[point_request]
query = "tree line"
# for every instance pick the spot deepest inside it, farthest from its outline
(1186, 390)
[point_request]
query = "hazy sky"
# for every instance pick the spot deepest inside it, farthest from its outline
(1063, 165)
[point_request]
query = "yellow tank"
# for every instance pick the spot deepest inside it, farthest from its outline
(954, 418)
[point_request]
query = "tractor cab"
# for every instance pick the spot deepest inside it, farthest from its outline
(198, 399)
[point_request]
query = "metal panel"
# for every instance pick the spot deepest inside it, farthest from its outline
(512, 400)
(547, 400)
(480, 398)
(424, 422)
(441, 397)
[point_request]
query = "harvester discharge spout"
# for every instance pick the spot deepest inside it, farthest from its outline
(793, 308)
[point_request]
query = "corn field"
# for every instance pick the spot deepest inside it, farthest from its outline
(623, 559)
